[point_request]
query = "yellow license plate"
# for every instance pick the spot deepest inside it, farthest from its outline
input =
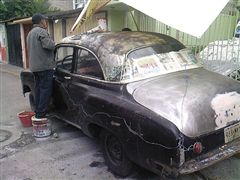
(232, 132)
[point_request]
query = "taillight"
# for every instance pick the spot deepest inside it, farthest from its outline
(197, 147)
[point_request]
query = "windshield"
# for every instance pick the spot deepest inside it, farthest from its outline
(155, 60)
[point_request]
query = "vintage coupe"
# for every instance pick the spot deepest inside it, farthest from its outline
(148, 99)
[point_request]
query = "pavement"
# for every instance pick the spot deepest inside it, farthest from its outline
(70, 154)
(11, 69)
(5, 124)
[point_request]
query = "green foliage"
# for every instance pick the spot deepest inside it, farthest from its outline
(3, 10)
(23, 8)
(41, 6)
(238, 8)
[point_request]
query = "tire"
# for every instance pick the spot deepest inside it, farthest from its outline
(114, 154)
(32, 101)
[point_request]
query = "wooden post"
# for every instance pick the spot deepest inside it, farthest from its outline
(23, 43)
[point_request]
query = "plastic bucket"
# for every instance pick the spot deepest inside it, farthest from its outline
(41, 127)
(26, 118)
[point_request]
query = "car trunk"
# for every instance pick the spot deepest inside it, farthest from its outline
(197, 101)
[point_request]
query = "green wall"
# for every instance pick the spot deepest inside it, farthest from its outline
(116, 20)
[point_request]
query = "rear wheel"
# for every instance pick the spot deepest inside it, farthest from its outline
(114, 154)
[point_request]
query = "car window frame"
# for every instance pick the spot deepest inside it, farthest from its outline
(74, 66)
(79, 47)
(74, 55)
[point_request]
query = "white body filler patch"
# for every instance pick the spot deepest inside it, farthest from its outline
(226, 107)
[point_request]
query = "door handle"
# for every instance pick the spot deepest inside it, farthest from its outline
(67, 77)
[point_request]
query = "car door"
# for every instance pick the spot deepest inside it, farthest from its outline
(87, 81)
(64, 58)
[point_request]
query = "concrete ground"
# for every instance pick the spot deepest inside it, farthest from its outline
(70, 154)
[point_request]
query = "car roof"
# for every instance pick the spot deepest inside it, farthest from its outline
(120, 43)
(112, 47)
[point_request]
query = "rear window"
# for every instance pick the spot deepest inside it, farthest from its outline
(155, 60)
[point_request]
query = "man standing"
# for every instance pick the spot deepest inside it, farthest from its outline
(41, 63)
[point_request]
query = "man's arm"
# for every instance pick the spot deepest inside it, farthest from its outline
(46, 40)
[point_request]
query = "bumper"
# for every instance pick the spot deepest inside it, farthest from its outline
(211, 158)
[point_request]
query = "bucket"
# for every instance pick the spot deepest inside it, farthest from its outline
(41, 127)
(26, 118)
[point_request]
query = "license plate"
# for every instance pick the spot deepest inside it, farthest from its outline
(232, 132)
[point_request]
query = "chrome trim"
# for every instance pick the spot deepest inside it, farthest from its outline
(90, 78)
(85, 48)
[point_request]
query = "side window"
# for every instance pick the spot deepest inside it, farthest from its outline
(64, 57)
(88, 65)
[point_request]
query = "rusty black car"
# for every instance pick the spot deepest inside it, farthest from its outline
(148, 99)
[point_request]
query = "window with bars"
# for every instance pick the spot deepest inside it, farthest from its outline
(79, 3)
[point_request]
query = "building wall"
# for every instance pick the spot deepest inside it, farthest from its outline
(238, 2)
(69, 24)
(89, 24)
(62, 4)
(116, 20)
(59, 27)
(57, 30)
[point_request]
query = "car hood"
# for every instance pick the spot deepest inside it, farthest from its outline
(197, 101)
